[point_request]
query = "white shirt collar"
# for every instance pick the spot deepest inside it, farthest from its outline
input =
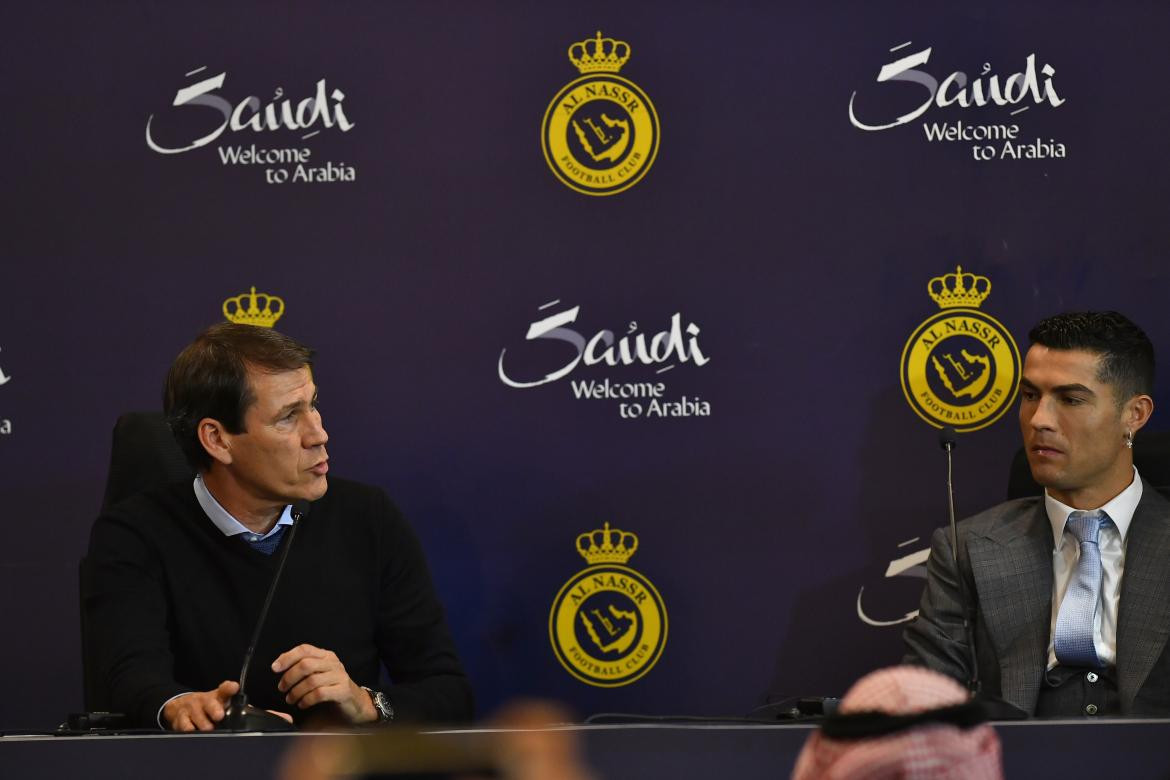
(223, 519)
(1120, 509)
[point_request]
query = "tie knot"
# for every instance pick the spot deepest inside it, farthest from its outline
(1086, 525)
(267, 545)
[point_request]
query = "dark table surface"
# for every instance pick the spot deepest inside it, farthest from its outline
(1108, 749)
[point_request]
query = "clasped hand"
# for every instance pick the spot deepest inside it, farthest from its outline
(312, 676)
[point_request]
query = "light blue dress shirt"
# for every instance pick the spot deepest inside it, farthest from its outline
(229, 525)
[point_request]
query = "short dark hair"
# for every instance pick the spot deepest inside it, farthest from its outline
(209, 378)
(1127, 356)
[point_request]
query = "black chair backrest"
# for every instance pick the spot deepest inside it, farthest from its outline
(1151, 455)
(143, 455)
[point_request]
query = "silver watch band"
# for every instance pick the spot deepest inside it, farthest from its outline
(381, 704)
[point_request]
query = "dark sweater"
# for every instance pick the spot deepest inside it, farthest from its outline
(172, 603)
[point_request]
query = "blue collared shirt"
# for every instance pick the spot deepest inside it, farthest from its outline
(229, 525)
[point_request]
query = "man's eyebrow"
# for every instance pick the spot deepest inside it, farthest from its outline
(1075, 387)
(295, 405)
(289, 407)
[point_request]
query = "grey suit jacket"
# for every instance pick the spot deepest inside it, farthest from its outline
(1005, 557)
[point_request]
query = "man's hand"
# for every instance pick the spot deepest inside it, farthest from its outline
(312, 675)
(199, 711)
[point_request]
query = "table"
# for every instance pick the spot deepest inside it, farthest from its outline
(1130, 749)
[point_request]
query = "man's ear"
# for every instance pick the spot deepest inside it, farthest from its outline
(1136, 412)
(215, 439)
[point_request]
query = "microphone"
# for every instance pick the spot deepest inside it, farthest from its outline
(239, 715)
(995, 708)
(947, 439)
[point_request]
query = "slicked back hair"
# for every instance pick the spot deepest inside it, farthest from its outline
(209, 378)
(1127, 356)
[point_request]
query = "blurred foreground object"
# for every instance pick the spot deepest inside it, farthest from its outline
(904, 722)
(525, 741)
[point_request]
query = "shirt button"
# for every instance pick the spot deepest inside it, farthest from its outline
(1091, 709)
(1091, 677)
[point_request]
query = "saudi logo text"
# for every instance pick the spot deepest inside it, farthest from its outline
(5, 424)
(182, 131)
(545, 360)
(1031, 87)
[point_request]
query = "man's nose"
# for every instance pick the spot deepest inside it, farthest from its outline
(315, 435)
(1043, 416)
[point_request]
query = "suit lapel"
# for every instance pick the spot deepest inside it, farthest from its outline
(1143, 620)
(1012, 568)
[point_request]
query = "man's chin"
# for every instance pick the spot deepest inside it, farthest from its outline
(1046, 476)
(309, 491)
(317, 488)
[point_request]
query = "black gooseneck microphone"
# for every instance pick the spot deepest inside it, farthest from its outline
(947, 439)
(994, 707)
(239, 715)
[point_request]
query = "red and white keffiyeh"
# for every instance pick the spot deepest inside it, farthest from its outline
(928, 751)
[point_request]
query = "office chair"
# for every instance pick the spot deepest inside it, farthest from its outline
(143, 455)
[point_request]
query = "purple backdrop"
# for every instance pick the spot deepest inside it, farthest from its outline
(799, 244)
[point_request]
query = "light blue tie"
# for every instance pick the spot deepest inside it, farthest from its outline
(1074, 623)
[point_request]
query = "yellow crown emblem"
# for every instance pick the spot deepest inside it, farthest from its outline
(599, 55)
(250, 313)
(603, 545)
(959, 289)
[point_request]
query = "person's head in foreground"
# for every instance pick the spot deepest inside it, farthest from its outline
(943, 741)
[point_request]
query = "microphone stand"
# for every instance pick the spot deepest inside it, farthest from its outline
(947, 440)
(995, 707)
(239, 715)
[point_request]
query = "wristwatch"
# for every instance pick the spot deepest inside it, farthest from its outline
(381, 704)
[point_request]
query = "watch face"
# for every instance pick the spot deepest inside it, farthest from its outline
(382, 704)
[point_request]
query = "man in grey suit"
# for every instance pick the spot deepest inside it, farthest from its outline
(1067, 596)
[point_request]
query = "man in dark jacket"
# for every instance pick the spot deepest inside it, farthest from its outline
(179, 573)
